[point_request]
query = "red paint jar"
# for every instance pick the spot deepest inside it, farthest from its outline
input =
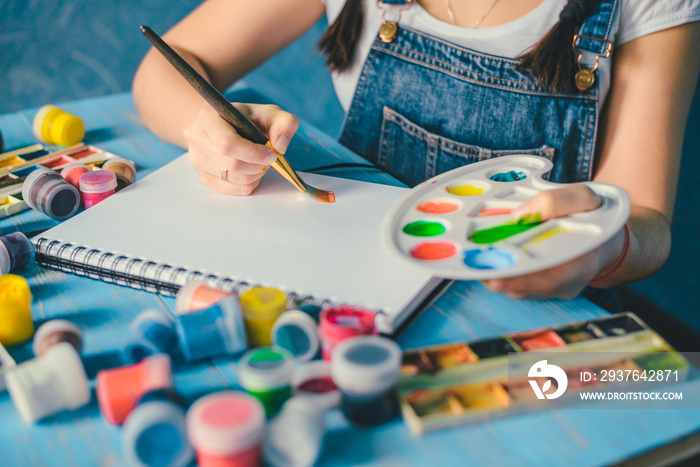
(226, 429)
(97, 186)
(339, 323)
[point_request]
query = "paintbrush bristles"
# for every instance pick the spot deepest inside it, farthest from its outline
(228, 112)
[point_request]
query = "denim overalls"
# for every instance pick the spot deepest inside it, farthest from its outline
(423, 106)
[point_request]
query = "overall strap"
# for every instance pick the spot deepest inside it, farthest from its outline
(594, 35)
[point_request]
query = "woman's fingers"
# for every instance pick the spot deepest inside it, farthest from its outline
(560, 202)
(278, 125)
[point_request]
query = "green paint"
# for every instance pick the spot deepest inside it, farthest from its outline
(272, 399)
(500, 232)
(424, 229)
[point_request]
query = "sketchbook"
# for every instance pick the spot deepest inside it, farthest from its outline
(167, 229)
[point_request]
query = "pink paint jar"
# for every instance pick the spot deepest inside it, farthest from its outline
(73, 171)
(339, 323)
(196, 295)
(226, 429)
(97, 186)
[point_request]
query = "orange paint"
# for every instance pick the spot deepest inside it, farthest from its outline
(433, 251)
(437, 207)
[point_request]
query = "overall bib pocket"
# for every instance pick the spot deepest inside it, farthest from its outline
(413, 154)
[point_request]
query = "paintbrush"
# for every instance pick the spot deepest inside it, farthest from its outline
(228, 112)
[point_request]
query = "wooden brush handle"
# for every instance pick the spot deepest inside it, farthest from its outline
(227, 111)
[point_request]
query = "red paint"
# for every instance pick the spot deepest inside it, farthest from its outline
(538, 340)
(251, 457)
(318, 385)
(227, 412)
(342, 322)
(494, 212)
(437, 207)
(58, 161)
(432, 251)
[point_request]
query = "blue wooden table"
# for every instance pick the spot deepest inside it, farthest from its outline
(466, 311)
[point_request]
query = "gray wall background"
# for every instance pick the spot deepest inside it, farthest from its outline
(53, 51)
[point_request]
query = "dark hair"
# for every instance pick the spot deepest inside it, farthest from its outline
(552, 60)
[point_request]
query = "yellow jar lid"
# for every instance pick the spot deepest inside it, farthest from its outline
(16, 325)
(56, 126)
(263, 301)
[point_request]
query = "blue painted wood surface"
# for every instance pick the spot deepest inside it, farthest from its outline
(466, 311)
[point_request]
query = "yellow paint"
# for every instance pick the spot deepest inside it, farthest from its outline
(16, 324)
(542, 237)
(261, 307)
(55, 126)
(464, 190)
(11, 161)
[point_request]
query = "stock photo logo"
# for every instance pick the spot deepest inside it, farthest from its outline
(542, 369)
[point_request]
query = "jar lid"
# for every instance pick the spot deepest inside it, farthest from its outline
(98, 181)
(15, 252)
(73, 165)
(31, 180)
(265, 368)
(366, 364)
(345, 321)
(296, 332)
(196, 294)
(56, 326)
(263, 302)
(121, 160)
(235, 336)
(225, 422)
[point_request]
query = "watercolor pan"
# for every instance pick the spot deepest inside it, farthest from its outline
(463, 382)
(11, 201)
(457, 225)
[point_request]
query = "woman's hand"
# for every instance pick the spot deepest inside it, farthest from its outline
(568, 279)
(225, 161)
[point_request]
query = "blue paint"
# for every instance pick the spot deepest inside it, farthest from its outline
(25, 171)
(511, 176)
(491, 258)
(152, 333)
(33, 155)
(155, 433)
(216, 330)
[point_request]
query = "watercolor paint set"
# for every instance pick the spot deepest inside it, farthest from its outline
(457, 225)
(16, 166)
(464, 382)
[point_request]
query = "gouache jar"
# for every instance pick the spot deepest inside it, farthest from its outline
(119, 389)
(366, 370)
(296, 332)
(216, 330)
(266, 373)
(55, 126)
(97, 186)
(151, 333)
(155, 433)
(261, 307)
(342, 322)
(6, 364)
(295, 437)
(196, 295)
(226, 429)
(45, 191)
(313, 382)
(15, 252)
(16, 325)
(123, 169)
(49, 384)
(54, 332)
(73, 171)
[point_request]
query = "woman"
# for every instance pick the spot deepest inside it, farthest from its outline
(601, 87)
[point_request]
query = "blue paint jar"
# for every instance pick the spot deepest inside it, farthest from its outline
(296, 332)
(366, 370)
(151, 333)
(155, 433)
(216, 330)
(15, 252)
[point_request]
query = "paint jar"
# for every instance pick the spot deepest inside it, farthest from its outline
(342, 322)
(296, 332)
(73, 171)
(119, 389)
(16, 325)
(266, 374)
(54, 332)
(226, 429)
(261, 307)
(15, 252)
(97, 186)
(123, 169)
(216, 330)
(295, 437)
(196, 295)
(55, 126)
(313, 382)
(311, 309)
(155, 432)
(49, 384)
(151, 333)
(45, 191)
(6, 364)
(366, 370)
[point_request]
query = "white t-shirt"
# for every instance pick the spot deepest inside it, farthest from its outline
(635, 19)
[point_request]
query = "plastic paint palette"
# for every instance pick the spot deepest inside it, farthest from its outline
(457, 225)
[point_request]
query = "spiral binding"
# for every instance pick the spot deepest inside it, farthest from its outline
(137, 273)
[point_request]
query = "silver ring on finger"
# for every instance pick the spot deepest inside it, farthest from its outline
(224, 174)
